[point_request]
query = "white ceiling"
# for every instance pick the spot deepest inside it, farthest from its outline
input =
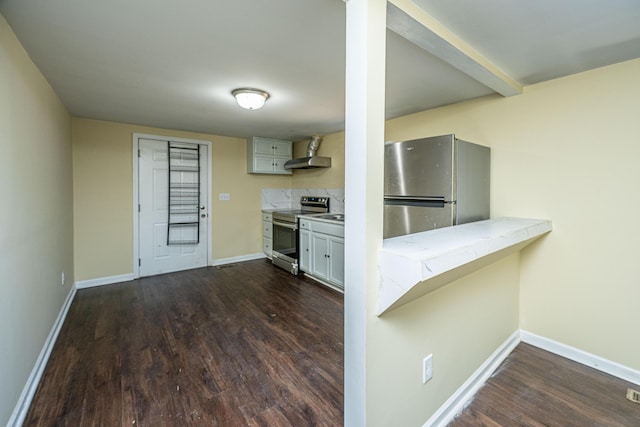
(173, 64)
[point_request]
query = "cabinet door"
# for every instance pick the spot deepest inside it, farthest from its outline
(305, 251)
(278, 166)
(282, 149)
(263, 164)
(336, 261)
(319, 255)
(263, 146)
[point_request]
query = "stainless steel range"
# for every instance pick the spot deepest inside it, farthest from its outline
(285, 231)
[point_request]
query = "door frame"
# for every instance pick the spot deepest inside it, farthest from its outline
(136, 197)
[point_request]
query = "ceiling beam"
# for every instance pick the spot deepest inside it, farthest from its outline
(409, 21)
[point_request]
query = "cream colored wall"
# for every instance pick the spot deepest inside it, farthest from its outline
(333, 177)
(36, 223)
(461, 324)
(103, 196)
(567, 150)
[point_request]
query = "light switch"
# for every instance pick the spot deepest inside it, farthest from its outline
(225, 196)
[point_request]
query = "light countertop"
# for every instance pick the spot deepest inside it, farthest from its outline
(414, 265)
(330, 218)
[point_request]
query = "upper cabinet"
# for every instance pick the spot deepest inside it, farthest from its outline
(266, 155)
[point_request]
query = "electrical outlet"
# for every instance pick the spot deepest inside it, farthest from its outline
(633, 395)
(224, 196)
(62, 278)
(427, 368)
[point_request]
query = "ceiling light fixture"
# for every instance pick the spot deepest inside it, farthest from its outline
(251, 99)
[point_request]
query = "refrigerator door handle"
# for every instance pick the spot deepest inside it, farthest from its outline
(416, 198)
(416, 201)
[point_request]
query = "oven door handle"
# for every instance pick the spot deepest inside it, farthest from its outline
(288, 225)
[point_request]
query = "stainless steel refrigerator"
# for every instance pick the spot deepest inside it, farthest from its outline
(434, 182)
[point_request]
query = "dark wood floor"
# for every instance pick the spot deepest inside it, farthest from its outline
(533, 387)
(244, 345)
(252, 345)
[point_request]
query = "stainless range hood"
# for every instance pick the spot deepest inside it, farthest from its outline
(311, 161)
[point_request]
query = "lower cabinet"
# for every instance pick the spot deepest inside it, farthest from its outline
(328, 258)
(267, 234)
(322, 250)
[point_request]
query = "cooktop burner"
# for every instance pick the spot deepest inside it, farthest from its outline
(292, 215)
(309, 205)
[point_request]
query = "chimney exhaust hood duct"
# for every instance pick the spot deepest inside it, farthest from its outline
(311, 161)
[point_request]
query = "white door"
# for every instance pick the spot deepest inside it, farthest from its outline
(156, 256)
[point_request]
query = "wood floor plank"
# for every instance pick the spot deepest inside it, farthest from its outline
(244, 345)
(533, 387)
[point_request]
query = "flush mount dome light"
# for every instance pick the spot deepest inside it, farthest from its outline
(251, 99)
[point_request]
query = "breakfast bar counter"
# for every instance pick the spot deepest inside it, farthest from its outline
(413, 265)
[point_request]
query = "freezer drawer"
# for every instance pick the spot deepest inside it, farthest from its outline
(401, 219)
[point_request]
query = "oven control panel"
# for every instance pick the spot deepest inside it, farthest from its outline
(321, 202)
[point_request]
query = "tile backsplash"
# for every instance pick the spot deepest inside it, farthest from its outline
(276, 198)
(289, 198)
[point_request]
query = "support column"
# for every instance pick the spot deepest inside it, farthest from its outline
(364, 153)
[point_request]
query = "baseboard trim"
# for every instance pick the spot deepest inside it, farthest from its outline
(447, 412)
(29, 390)
(241, 258)
(101, 281)
(323, 283)
(577, 355)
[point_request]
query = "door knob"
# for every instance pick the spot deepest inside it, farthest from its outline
(201, 207)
